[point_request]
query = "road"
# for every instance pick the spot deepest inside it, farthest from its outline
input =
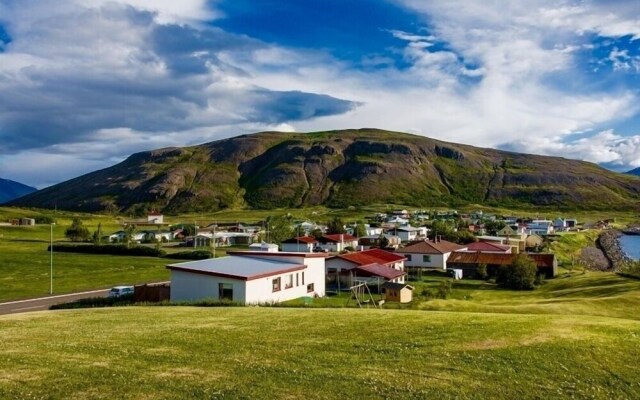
(43, 303)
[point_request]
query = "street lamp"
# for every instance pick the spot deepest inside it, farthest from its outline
(51, 260)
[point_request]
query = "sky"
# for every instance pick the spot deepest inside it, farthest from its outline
(86, 83)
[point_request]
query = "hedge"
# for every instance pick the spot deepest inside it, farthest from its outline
(191, 255)
(118, 250)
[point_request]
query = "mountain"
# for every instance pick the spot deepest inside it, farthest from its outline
(634, 172)
(10, 190)
(338, 169)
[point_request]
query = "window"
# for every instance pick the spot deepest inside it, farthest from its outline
(426, 259)
(276, 285)
(289, 282)
(225, 291)
(310, 288)
(408, 256)
(303, 277)
(297, 279)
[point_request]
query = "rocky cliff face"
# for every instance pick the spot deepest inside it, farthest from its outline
(338, 168)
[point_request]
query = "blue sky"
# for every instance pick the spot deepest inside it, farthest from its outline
(86, 83)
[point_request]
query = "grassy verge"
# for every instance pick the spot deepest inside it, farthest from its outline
(194, 353)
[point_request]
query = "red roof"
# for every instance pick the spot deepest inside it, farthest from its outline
(302, 239)
(339, 237)
(380, 270)
(430, 247)
(486, 246)
(372, 256)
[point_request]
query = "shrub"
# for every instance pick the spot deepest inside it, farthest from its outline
(112, 249)
(95, 302)
(444, 290)
(191, 255)
(481, 272)
(44, 219)
(77, 231)
(519, 275)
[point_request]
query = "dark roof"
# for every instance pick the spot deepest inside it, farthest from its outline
(397, 286)
(276, 254)
(459, 257)
(301, 239)
(430, 247)
(338, 237)
(372, 256)
(380, 270)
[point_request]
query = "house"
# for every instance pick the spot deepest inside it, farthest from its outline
(534, 242)
(409, 233)
(249, 277)
(469, 262)
(428, 254)
(343, 266)
(27, 221)
(304, 244)
(268, 247)
(155, 218)
(515, 243)
(338, 242)
(506, 231)
(487, 247)
(121, 236)
(400, 292)
(540, 227)
(368, 242)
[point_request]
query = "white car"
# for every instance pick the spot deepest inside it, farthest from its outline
(120, 291)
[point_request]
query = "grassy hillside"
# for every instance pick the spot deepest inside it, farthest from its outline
(195, 353)
(338, 169)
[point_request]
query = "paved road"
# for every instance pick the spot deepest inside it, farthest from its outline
(43, 303)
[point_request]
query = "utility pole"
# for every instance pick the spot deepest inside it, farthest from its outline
(214, 240)
(51, 260)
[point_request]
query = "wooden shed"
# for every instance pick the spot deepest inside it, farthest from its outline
(400, 292)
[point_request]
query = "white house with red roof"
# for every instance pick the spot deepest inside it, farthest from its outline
(250, 277)
(367, 263)
(304, 244)
(338, 242)
(429, 254)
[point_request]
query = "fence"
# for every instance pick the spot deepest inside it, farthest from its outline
(151, 293)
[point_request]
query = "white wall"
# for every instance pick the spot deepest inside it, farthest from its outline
(437, 260)
(188, 286)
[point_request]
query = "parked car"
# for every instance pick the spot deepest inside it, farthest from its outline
(120, 291)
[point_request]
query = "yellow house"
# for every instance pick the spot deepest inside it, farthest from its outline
(400, 292)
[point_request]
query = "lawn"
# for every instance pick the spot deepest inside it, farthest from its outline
(25, 266)
(266, 353)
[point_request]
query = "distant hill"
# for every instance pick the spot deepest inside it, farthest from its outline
(338, 169)
(10, 190)
(635, 172)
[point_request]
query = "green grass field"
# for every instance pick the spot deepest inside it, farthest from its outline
(260, 353)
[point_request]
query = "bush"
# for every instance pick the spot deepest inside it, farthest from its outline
(519, 275)
(191, 255)
(44, 219)
(77, 231)
(481, 272)
(95, 302)
(444, 290)
(117, 250)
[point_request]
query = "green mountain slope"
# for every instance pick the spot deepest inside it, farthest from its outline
(10, 190)
(635, 171)
(338, 169)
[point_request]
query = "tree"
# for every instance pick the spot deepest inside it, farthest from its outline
(494, 226)
(130, 232)
(336, 226)
(383, 242)
(317, 233)
(279, 228)
(519, 275)
(77, 232)
(361, 230)
(97, 235)
(481, 271)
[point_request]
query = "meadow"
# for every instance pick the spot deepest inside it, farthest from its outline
(266, 353)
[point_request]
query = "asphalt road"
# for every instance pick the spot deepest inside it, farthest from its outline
(43, 303)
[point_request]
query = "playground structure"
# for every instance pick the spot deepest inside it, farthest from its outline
(362, 295)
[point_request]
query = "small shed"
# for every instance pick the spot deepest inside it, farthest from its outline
(400, 292)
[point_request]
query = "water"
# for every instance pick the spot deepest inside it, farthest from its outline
(630, 244)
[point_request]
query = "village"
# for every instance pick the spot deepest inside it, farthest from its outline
(256, 264)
